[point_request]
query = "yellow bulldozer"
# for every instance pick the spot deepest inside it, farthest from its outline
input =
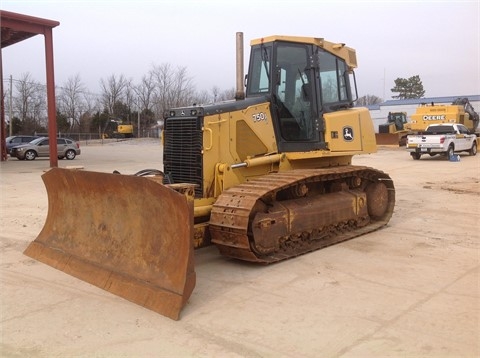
(394, 131)
(265, 177)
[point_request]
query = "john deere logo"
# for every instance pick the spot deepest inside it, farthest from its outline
(348, 134)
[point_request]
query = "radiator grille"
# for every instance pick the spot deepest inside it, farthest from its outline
(182, 152)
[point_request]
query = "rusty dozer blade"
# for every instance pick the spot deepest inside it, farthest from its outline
(128, 235)
(398, 139)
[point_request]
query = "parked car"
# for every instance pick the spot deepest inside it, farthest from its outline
(15, 140)
(66, 148)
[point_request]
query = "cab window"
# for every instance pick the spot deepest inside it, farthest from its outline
(259, 74)
(333, 80)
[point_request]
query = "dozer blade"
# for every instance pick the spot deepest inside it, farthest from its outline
(128, 235)
(398, 139)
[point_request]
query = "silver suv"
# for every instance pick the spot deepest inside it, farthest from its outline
(66, 148)
(13, 141)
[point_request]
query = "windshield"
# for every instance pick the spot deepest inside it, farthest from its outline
(36, 141)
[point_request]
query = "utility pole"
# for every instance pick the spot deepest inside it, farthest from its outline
(138, 122)
(11, 109)
(384, 79)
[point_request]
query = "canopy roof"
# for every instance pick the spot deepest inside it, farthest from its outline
(15, 28)
(19, 27)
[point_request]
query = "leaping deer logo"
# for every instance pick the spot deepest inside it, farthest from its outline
(348, 134)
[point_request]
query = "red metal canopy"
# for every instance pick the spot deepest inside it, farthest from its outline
(18, 27)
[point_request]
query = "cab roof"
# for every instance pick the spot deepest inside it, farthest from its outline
(338, 49)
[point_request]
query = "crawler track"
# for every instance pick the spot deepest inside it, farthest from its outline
(283, 215)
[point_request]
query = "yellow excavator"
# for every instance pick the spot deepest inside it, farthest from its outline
(265, 177)
(115, 129)
(460, 111)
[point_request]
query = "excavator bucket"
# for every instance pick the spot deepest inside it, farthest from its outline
(129, 235)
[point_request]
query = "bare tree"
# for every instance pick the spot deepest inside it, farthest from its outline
(183, 89)
(25, 90)
(92, 104)
(39, 108)
(113, 91)
(227, 94)
(130, 99)
(145, 92)
(203, 97)
(71, 100)
(368, 100)
(173, 87)
(29, 102)
(215, 93)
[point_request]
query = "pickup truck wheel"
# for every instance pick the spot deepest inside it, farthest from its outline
(450, 152)
(473, 150)
(416, 156)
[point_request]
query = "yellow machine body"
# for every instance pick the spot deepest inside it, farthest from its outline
(460, 111)
(265, 177)
(394, 131)
(427, 114)
(115, 129)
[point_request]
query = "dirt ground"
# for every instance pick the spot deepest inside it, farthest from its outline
(408, 290)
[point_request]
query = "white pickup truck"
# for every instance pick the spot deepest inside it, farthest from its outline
(445, 139)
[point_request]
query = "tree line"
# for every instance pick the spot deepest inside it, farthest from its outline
(80, 111)
(141, 104)
(405, 88)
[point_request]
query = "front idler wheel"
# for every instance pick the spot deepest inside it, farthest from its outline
(377, 200)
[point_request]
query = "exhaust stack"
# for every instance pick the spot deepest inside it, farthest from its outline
(240, 93)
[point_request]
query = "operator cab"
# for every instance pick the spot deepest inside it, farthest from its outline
(398, 118)
(303, 81)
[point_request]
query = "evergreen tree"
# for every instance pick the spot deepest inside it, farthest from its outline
(408, 88)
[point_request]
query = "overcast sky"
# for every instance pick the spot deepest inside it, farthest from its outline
(437, 40)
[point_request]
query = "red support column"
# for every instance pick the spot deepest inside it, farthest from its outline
(3, 127)
(16, 28)
(52, 111)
